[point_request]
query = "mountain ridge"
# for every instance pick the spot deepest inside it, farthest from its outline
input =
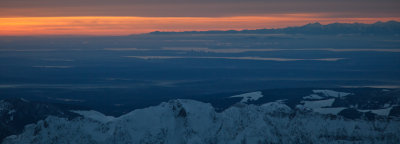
(189, 121)
(378, 28)
(336, 105)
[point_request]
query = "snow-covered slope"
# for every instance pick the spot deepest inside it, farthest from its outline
(188, 121)
(94, 115)
(382, 112)
(321, 101)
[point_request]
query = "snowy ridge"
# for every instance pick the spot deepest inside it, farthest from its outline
(95, 115)
(331, 93)
(247, 97)
(321, 94)
(382, 112)
(275, 107)
(188, 121)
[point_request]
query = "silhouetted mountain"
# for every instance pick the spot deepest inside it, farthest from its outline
(378, 28)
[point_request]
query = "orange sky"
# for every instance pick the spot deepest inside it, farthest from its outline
(117, 25)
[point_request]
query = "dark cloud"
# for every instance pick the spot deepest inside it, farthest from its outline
(199, 8)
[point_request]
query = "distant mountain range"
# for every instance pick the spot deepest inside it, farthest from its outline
(378, 28)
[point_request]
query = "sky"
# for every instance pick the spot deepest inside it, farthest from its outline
(123, 17)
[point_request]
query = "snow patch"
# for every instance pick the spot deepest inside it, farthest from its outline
(381, 112)
(331, 93)
(322, 94)
(247, 97)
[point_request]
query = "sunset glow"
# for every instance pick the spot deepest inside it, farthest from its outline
(119, 25)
